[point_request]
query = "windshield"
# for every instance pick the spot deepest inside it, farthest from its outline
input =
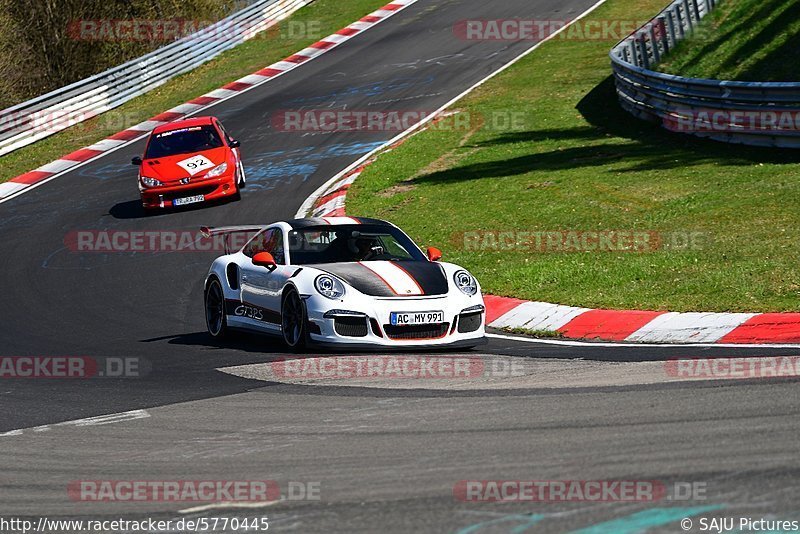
(350, 243)
(183, 141)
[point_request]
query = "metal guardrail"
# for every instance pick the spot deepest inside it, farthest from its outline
(30, 121)
(752, 113)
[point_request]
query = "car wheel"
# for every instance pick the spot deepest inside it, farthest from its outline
(238, 183)
(216, 322)
(293, 320)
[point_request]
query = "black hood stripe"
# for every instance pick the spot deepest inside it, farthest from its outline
(428, 276)
(359, 277)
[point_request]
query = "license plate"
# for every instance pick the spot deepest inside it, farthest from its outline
(188, 200)
(405, 318)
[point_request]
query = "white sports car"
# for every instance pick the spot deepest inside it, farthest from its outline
(342, 282)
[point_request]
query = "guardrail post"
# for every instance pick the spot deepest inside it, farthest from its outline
(654, 43)
(664, 36)
(643, 49)
(696, 8)
(671, 27)
(632, 52)
(677, 10)
(688, 16)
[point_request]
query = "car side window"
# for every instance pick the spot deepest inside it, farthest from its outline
(275, 246)
(228, 138)
(256, 244)
(267, 241)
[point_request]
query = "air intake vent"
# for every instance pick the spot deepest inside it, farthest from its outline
(421, 331)
(350, 326)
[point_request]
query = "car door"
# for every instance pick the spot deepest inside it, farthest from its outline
(261, 288)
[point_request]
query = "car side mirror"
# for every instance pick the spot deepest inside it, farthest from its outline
(235, 143)
(136, 161)
(434, 254)
(265, 259)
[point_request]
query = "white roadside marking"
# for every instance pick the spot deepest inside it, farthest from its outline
(538, 316)
(640, 345)
(106, 144)
(89, 421)
(57, 165)
(146, 126)
(9, 188)
(700, 327)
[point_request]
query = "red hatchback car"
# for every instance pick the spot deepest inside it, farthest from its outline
(187, 162)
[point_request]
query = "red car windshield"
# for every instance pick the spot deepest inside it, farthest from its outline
(183, 141)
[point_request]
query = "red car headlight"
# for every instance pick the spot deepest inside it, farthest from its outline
(218, 170)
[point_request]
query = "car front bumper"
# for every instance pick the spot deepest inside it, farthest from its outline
(365, 322)
(213, 189)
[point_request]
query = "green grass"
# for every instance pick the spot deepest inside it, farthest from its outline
(750, 40)
(323, 17)
(580, 163)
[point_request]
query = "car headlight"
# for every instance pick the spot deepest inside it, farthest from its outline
(216, 171)
(329, 286)
(150, 182)
(466, 282)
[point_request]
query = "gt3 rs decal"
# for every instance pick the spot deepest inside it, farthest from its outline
(399, 281)
(250, 311)
(195, 164)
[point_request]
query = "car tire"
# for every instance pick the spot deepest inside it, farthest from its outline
(239, 182)
(214, 300)
(294, 320)
(242, 176)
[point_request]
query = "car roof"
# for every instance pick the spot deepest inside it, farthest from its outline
(185, 123)
(334, 221)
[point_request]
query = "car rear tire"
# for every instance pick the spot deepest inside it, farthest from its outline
(216, 322)
(293, 320)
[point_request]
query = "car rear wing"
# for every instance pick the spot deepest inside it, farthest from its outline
(228, 231)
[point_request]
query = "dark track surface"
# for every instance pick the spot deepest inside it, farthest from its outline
(387, 459)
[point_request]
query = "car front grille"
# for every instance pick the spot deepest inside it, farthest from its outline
(350, 326)
(419, 331)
